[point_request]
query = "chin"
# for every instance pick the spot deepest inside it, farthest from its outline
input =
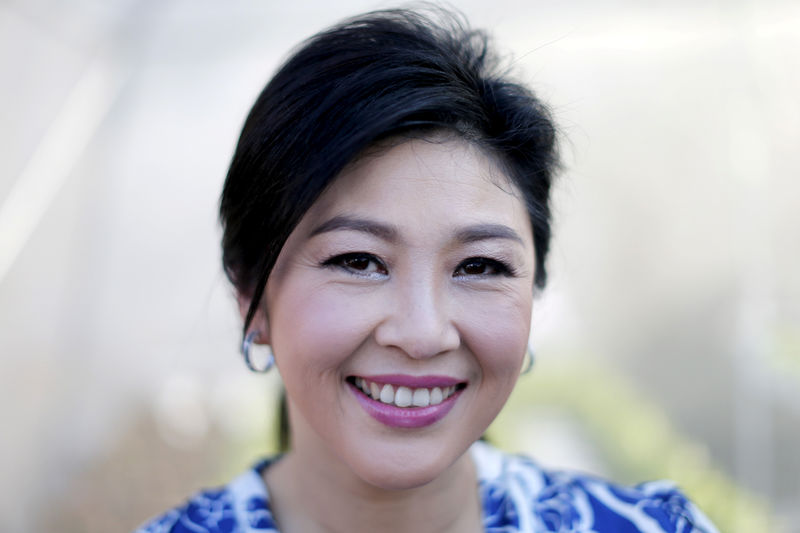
(403, 470)
(396, 479)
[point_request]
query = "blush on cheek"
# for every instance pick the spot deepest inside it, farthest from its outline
(325, 328)
(500, 344)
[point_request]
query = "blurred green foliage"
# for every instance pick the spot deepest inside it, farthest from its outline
(786, 350)
(633, 436)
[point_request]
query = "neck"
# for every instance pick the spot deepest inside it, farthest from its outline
(312, 491)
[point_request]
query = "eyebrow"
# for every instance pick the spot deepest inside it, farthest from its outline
(472, 233)
(382, 231)
(483, 232)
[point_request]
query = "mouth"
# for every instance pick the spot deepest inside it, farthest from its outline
(406, 401)
(403, 395)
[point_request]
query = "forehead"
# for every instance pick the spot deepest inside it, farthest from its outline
(437, 180)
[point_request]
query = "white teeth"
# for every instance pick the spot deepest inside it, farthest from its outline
(436, 396)
(387, 394)
(402, 398)
(421, 398)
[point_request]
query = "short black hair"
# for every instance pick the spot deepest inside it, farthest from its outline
(382, 74)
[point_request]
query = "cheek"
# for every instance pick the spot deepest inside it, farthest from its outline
(498, 336)
(321, 328)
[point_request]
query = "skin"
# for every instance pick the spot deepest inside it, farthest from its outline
(418, 260)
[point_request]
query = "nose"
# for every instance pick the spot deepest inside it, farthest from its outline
(419, 321)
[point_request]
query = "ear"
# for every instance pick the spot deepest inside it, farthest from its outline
(259, 323)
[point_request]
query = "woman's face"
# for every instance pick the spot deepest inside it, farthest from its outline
(399, 311)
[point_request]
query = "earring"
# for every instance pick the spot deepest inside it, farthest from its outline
(247, 344)
(528, 365)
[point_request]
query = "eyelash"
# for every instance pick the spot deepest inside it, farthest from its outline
(345, 262)
(500, 268)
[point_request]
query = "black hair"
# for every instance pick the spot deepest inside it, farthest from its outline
(369, 78)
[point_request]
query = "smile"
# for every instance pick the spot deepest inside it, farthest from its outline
(406, 401)
(402, 396)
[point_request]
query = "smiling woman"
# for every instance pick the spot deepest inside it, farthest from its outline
(386, 221)
(408, 295)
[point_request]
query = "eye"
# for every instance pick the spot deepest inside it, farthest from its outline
(482, 266)
(358, 263)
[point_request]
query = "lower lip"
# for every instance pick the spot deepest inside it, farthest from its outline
(404, 417)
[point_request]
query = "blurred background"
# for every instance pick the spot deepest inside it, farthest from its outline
(668, 340)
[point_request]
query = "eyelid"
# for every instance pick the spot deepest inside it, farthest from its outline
(501, 267)
(338, 261)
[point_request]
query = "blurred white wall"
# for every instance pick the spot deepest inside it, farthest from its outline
(677, 227)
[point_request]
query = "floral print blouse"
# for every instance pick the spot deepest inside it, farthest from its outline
(518, 497)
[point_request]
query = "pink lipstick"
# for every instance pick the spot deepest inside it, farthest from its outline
(404, 401)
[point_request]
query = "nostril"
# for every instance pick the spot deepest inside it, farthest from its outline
(416, 339)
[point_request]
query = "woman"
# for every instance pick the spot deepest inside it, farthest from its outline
(385, 222)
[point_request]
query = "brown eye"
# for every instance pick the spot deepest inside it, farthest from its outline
(358, 263)
(474, 267)
(481, 266)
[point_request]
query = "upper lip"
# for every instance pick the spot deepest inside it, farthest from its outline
(405, 380)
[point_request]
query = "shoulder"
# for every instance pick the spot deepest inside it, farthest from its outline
(241, 506)
(520, 496)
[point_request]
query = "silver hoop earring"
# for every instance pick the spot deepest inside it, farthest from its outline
(247, 344)
(528, 365)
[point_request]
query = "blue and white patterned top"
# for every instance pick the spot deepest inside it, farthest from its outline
(517, 495)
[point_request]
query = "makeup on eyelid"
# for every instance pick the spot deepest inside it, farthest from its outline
(499, 259)
(363, 263)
